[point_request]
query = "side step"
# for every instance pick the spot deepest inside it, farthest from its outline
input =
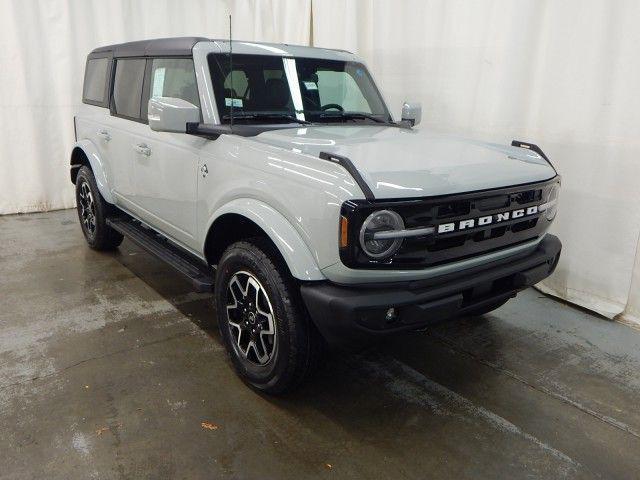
(200, 274)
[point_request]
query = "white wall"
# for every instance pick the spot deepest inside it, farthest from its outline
(43, 48)
(563, 74)
(632, 312)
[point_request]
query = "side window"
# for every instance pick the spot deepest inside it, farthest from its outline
(95, 81)
(127, 87)
(174, 77)
(342, 89)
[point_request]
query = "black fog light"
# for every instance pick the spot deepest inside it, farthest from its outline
(391, 315)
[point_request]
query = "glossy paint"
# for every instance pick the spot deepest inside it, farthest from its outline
(97, 165)
(306, 191)
(158, 188)
(406, 163)
(296, 253)
(168, 114)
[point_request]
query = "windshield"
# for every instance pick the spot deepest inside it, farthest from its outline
(268, 89)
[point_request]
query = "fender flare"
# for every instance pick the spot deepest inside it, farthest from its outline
(97, 165)
(282, 233)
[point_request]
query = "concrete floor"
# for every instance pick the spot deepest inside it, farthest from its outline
(107, 372)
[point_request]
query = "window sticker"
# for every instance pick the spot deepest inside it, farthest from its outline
(158, 82)
(310, 85)
(237, 102)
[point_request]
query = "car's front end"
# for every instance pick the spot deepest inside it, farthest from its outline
(409, 263)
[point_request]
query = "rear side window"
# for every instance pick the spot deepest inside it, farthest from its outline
(95, 81)
(174, 77)
(127, 87)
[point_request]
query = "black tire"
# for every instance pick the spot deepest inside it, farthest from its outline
(278, 361)
(93, 211)
(488, 308)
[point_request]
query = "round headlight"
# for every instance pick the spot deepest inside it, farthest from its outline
(380, 221)
(552, 202)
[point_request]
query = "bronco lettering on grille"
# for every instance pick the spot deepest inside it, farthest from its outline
(487, 220)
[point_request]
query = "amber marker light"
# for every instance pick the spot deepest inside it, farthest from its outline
(344, 232)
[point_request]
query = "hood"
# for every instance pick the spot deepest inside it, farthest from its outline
(404, 163)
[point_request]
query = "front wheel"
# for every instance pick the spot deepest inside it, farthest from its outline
(265, 328)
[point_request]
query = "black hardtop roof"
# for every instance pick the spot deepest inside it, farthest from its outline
(153, 47)
(173, 46)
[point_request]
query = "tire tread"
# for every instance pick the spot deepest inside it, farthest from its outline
(306, 345)
(106, 238)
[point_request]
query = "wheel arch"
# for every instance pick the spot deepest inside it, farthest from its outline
(84, 152)
(245, 218)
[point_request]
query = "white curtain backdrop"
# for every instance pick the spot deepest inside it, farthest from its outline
(43, 48)
(564, 75)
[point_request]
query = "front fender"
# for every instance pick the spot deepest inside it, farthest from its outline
(97, 165)
(295, 252)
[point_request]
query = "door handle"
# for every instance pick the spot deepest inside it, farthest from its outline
(142, 149)
(105, 135)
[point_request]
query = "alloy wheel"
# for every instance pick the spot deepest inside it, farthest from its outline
(87, 209)
(251, 319)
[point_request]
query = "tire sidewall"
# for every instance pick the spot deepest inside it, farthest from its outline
(86, 176)
(104, 237)
(241, 257)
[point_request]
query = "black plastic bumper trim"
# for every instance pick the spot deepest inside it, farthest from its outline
(346, 314)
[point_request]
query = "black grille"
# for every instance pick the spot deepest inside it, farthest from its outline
(421, 252)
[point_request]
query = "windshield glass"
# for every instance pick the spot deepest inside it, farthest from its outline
(269, 89)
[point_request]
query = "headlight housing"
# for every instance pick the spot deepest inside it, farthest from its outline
(380, 221)
(551, 205)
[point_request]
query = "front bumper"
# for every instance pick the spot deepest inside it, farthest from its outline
(346, 314)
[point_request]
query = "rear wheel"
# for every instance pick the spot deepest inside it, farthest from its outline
(271, 341)
(93, 211)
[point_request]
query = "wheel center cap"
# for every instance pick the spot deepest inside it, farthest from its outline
(252, 318)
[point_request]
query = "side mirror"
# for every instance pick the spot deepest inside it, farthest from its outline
(168, 114)
(412, 113)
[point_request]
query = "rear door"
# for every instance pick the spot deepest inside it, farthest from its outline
(93, 120)
(166, 164)
(127, 119)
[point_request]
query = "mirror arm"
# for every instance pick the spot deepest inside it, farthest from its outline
(207, 130)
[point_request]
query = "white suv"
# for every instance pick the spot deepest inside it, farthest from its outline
(277, 174)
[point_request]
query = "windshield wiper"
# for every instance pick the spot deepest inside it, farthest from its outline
(259, 115)
(352, 115)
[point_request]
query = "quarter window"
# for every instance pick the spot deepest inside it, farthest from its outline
(127, 87)
(174, 77)
(95, 80)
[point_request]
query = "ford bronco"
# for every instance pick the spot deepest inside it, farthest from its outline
(276, 177)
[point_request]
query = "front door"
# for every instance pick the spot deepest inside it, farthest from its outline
(166, 164)
(166, 177)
